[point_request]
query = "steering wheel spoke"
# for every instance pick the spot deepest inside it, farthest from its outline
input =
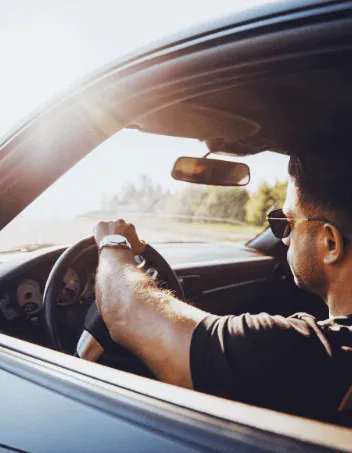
(143, 265)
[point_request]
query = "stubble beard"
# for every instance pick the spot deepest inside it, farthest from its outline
(309, 277)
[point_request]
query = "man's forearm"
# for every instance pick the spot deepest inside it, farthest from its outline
(151, 322)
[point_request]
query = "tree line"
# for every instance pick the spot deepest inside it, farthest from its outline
(232, 204)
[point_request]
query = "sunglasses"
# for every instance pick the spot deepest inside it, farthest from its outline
(281, 227)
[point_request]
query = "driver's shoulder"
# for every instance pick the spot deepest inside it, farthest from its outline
(299, 332)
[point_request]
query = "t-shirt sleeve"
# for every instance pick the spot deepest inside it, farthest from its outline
(230, 353)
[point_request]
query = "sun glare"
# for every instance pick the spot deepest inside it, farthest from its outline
(43, 59)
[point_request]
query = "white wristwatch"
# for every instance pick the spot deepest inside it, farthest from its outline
(114, 240)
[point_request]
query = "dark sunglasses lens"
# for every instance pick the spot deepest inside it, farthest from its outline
(280, 228)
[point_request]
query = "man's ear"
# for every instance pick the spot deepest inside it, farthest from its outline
(333, 244)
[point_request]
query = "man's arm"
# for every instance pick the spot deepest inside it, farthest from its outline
(149, 321)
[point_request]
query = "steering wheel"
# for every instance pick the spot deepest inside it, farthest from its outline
(95, 338)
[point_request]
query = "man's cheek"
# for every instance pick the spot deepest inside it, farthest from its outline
(290, 258)
(288, 255)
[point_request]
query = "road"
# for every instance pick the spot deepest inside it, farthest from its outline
(24, 231)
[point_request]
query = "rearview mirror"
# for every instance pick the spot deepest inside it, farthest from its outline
(211, 172)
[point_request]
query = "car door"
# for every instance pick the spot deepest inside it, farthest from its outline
(53, 402)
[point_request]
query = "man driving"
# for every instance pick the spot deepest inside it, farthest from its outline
(296, 364)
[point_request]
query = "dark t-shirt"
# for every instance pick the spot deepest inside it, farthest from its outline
(295, 365)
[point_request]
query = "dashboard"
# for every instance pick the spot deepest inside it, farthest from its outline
(204, 270)
(25, 298)
(21, 295)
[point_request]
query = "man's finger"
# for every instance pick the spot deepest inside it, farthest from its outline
(119, 226)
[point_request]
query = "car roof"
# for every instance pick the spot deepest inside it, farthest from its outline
(240, 16)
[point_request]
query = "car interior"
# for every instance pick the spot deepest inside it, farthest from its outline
(289, 111)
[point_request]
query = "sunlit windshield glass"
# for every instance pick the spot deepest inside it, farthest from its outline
(129, 176)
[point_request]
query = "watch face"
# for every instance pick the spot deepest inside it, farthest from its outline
(113, 239)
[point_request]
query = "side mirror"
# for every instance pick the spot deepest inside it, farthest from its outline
(211, 172)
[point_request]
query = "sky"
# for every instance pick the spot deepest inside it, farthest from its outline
(46, 45)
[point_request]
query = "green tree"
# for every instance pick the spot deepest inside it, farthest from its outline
(194, 201)
(225, 202)
(188, 201)
(278, 193)
(261, 201)
(143, 194)
(128, 194)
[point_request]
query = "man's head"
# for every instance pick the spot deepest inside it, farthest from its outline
(319, 186)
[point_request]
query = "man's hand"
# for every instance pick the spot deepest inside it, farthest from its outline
(124, 229)
(143, 318)
(117, 263)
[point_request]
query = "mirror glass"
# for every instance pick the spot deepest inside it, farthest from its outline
(211, 172)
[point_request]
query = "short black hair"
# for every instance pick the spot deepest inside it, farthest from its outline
(324, 181)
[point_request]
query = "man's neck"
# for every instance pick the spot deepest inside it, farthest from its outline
(340, 304)
(338, 288)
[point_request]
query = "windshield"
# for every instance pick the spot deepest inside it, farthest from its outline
(129, 176)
